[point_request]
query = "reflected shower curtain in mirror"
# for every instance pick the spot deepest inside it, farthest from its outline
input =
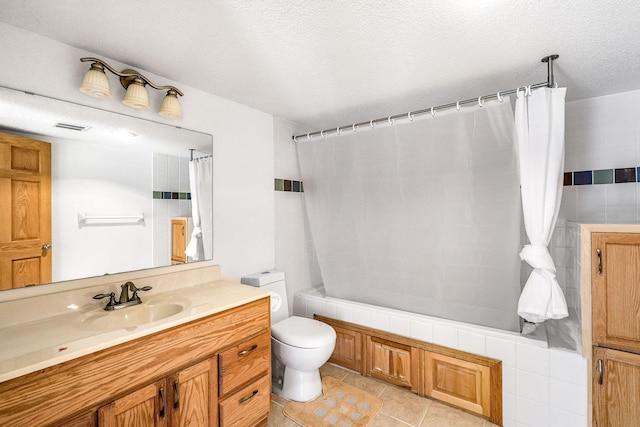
(422, 216)
(200, 173)
(540, 133)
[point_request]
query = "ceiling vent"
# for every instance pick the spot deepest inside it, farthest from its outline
(71, 126)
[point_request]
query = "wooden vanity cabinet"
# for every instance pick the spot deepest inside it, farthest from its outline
(186, 398)
(177, 369)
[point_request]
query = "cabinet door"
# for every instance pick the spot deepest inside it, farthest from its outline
(179, 241)
(615, 291)
(142, 408)
(616, 388)
(348, 350)
(458, 382)
(393, 362)
(193, 395)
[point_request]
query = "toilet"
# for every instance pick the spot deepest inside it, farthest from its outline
(299, 345)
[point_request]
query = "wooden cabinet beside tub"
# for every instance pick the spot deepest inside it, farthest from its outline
(464, 380)
(208, 372)
(615, 324)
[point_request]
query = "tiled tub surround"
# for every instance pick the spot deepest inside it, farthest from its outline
(41, 326)
(542, 387)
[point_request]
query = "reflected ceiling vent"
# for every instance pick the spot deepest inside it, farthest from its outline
(71, 126)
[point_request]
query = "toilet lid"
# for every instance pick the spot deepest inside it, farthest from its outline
(303, 332)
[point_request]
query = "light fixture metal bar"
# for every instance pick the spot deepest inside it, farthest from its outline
(130, 75)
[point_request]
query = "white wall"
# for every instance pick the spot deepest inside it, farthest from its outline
(243, 211)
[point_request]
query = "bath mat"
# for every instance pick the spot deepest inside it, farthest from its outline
(340, 405)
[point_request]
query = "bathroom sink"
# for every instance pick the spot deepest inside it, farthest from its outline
(130, 317)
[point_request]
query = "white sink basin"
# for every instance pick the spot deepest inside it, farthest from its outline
(130, 317)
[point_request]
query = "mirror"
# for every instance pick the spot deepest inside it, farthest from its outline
(116, 184)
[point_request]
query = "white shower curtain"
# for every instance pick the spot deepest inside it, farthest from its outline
(540, 133)
(421, 216)
(200, 179)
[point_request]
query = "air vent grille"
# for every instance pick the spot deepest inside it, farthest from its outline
(71, 126)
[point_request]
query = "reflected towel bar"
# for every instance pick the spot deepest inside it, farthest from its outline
(84, 219)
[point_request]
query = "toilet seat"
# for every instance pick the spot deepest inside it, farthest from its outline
(303, 332)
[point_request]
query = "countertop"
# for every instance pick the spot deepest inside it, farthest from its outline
(31, 346)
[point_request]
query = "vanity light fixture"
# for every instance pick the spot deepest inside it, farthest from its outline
(96, 84)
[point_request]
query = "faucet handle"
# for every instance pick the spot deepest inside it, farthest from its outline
(135, 290)
(111, 296)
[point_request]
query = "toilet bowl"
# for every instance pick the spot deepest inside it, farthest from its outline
(299, 345)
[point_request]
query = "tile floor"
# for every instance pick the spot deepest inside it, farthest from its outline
(400, 408)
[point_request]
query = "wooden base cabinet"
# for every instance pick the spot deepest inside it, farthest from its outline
(464, 380)
(615, 313)
(463, 384)
(393, 362)
(616, 388)
(348, 350)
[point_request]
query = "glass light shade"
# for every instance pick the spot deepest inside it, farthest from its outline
(136, 96)
(170, 106)
(96, 84)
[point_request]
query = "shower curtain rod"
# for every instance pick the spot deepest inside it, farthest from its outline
(549, 83)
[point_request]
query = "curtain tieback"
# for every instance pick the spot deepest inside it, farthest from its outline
(538, 257)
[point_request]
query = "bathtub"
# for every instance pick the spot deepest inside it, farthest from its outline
(542, 386)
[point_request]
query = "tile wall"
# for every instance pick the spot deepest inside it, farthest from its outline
(171, 198)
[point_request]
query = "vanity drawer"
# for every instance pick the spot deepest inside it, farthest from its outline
(248, 405)
(240, 363)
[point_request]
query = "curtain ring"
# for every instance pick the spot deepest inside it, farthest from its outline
(480, 101)
(322, 134)
(295, 139)
(390, 121)
(499, 96)
(409, 116)
(338, 131)
(308, 137)
(458, 105)
(433, 112)
(371, 124)
(518, 92)
(355, 128)
(527, 90)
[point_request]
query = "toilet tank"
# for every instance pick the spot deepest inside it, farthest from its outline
(271, 280)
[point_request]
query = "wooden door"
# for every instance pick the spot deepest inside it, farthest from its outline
(393, 362)
(25, 211)
(615, 290)
(193, 395)
(616, 388)
(179, 240)
(144, 407)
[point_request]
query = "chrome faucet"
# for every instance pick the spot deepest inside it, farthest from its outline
(124, 300)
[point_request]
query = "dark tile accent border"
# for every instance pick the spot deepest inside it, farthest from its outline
(169, 195)
(288, 185)
(625, 175)
(582, 178)
(602, 176)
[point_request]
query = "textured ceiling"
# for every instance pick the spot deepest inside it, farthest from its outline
(325, 63)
